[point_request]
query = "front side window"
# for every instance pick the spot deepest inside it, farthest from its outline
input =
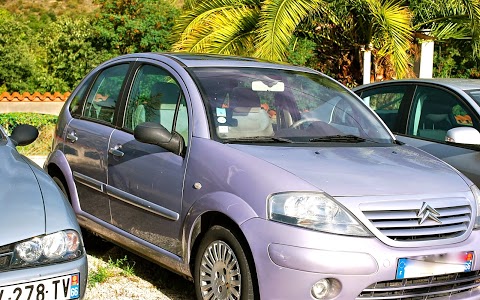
(434, 112)
(156, 97)
(256, 103)
(103, 97)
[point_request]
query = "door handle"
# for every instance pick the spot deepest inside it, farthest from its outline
(116, 151)
(72, 137)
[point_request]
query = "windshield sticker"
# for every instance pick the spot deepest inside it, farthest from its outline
(221, 112)
(222, 120)
(222, 129)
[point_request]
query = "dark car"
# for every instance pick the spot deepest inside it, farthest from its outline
(440, 116)
(262, 180)
(41, 248)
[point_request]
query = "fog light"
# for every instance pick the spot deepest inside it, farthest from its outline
(325, 289)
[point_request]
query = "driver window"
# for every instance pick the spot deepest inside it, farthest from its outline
(156, 97)
(434, 112)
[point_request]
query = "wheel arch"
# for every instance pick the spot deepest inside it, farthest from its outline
(220, 208)
(57, 166)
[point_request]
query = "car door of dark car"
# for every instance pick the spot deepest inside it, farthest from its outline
(391, 103)
(434, 111)
(146, 181)
(87, 139)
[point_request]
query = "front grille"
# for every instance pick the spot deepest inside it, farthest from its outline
(403, 223)
(423, 288)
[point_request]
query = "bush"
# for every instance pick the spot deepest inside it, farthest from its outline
(44, 123)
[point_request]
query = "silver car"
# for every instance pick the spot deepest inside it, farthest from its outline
(41, 250)
(440, 116)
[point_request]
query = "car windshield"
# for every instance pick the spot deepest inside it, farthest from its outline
(475, 94)
(258, 104)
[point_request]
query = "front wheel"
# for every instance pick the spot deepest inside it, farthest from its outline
(222, 269)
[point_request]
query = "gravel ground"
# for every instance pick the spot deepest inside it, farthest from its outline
(146, 281)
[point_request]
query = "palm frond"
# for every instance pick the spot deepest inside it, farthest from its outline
(278, 21)
(216, 26)
(392, 32)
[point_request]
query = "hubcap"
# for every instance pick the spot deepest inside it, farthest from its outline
(220, 276)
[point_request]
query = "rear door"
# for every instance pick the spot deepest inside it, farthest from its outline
(146, 181)
(87, 138)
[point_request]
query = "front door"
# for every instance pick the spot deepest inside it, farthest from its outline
(145, 181)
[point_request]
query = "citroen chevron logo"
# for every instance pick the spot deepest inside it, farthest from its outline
(428, 212)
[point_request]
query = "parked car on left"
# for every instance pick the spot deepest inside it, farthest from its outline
(42, 255)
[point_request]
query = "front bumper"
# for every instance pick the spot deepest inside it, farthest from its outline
(21, 276)
(289, 260)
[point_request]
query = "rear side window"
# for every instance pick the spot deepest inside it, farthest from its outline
(103, 97)
(386, 103)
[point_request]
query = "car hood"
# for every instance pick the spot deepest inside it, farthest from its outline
(362, 170)
(22, 213)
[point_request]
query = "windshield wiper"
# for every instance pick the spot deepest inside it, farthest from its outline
(349, 138)
(258, 139)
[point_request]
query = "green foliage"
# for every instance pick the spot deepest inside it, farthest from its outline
(71, 52)
(129, 26)
(44, 123)
(455, 59)
(18, 69)
(100, 275)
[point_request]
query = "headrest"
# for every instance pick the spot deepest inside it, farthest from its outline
(436, 117)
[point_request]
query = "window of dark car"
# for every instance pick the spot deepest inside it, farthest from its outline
(386, 102)
(475, 94)
(102, 98)
(434, 111)
(156, 97)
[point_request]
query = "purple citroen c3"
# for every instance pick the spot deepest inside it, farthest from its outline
(260, 180)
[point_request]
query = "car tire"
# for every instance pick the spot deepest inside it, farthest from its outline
(222, 269)
(60, 183)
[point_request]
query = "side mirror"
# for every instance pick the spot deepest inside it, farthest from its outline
(156, 134)
(463, 135)
(24, 134)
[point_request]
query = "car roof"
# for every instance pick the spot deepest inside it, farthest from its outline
(452, 83)
(192, 60)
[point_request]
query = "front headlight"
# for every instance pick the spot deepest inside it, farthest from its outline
(476, 195)
(317, 211)
(52, 248)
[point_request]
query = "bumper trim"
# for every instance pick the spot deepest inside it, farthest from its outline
(322, 261)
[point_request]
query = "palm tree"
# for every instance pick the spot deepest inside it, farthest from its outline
(265, 28)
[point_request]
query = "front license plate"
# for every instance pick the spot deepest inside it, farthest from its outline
(57, 288)
(438, 264)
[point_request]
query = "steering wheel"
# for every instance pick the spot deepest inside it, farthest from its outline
(300, 122)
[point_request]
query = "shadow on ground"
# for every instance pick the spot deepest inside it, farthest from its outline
(172, 285)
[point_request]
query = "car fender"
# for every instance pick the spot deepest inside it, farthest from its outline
(57, 158)
(228, 204)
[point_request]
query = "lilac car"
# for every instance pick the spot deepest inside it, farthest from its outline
(260, 180)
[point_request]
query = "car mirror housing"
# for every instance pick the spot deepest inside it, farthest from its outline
(24, 134)
(463, 135)
(156, 134)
